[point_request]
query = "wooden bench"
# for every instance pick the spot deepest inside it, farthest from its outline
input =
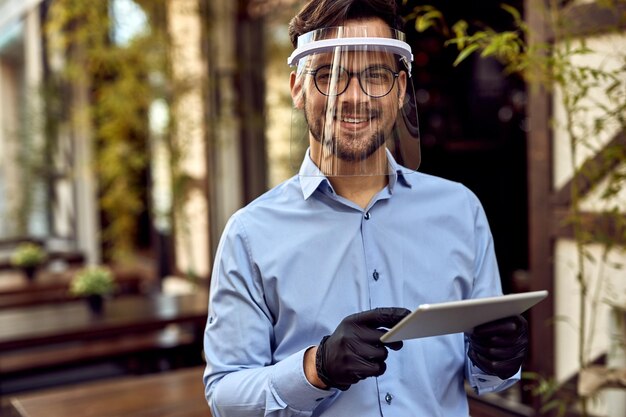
(62, 355)
(136, 354)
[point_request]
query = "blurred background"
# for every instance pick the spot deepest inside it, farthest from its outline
(130, 131)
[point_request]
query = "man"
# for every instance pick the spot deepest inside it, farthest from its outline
(309, 276)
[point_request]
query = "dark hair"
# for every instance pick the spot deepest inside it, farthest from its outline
(318, 14)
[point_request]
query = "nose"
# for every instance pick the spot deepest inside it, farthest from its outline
(353, 92)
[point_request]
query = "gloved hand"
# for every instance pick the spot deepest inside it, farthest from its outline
(499, 347)
(354, 350)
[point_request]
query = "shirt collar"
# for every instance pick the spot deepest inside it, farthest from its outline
(397, 173)
(311, 177)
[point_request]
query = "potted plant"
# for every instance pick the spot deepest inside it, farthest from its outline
(93, 283)
(28, 257)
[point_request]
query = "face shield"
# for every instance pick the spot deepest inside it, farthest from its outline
(354, 100)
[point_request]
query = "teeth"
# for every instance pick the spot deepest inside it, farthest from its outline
(351, 120)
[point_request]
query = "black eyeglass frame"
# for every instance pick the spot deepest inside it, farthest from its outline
(353, 74)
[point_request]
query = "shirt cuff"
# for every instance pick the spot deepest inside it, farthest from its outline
(290, 384)
(483, 383)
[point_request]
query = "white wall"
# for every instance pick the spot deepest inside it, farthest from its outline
(608, 55)
(605, 280)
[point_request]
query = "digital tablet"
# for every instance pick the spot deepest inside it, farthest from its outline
(460, 316)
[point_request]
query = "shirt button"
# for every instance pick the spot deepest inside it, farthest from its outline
(388, 398)
(375, 275)
(367, 215)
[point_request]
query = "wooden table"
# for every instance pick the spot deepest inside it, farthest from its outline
(171, 394)
(26, 327)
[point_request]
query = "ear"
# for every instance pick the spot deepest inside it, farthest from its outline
(295, 84)
(402, 82)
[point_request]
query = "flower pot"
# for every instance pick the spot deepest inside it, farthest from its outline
(29, 272)
(96, 304)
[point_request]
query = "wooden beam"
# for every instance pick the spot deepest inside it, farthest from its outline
(591, 172)
(588, 19)
(542, 355)
(598, 226)
(251, 103)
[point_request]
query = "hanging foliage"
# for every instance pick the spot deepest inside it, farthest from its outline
(118, 77)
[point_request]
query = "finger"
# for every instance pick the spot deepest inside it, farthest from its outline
(508, 325)
(382, 316)
(367, 369)
(501, 368)
(498, 353)
(499, 340)
(372, 353)
(394, 345)
(495, 327)
(370, 336)
(484, 363)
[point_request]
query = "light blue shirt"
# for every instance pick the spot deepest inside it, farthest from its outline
(293, 263)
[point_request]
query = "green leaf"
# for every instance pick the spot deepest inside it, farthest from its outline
(427, 20)
(512, 11)
(465, 53)
(494, 48)
(612, 87)
(422, 24)
(460, 29)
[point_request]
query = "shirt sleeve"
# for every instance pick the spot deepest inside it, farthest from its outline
(241, 377)
(486, 284)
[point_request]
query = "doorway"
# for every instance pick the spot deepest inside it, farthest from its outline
(473, 129)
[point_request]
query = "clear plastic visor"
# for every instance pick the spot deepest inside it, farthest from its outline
(354, 101)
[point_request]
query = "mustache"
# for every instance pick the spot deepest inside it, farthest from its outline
(357, 110)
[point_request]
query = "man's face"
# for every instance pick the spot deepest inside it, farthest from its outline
(352, 124)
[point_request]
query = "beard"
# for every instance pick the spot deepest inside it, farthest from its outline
(349, 147)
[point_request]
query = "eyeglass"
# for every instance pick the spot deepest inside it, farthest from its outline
(376, 82)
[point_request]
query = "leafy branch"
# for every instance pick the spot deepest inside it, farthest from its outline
(593, 99)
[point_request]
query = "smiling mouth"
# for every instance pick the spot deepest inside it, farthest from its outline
(354, 126)
(355, 120)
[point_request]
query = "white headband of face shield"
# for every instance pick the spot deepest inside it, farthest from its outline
(361, 43)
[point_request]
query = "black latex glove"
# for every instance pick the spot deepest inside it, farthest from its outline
(354, 350)
(499, 347)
